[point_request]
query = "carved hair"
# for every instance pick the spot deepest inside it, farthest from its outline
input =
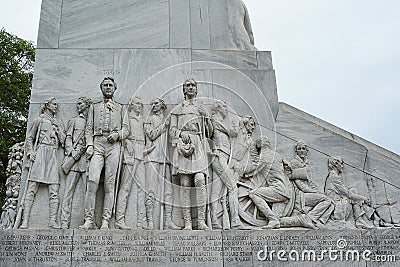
(262, 141)
(155, 100)
(46, 103)
(136, 98)
(110, 79)
(333, 162)
(216, 106)
(87, 100)
(191, 80)
(246, 119)
(298, 144)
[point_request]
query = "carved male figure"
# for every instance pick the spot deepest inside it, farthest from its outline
(158, 169)
(275, 189)
(347, 201)
(189, 128)
(106, 127)
(309, 200)
(133, 167)
(45, 136)
(225, 128)
(241, 33)
(75, 163)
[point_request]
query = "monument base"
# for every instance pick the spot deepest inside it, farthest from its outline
(199, 248)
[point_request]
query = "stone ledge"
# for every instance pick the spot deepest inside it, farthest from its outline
(183, 248)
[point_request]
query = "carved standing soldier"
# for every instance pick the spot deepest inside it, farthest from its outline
(189, 129)
(75, 163)
(106, 127)
(45, 136)
(225, 128)
(133, 167)
(158, 168)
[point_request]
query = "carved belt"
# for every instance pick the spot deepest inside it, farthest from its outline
(192, 132)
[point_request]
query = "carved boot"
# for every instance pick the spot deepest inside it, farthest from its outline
(169, 224)
(214, 218)
(53, 214)
(236, 223)
(187, 218)
(201, 221)
(89, 224)
(301, 220)
(149, 217)
(273, 221)
(104, 225)
(201, 197)
(25, 216)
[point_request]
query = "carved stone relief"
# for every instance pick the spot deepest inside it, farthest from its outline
(225, 176)
(13, 183)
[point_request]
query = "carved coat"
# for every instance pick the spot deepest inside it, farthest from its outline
(75, 142)
(44, 139)
(186, 118)
(270, 175)
(106, 117)
(156, 139)
(135, 141)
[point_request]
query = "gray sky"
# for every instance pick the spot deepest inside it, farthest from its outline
(338, 60)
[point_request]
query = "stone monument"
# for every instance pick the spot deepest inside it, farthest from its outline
(184, 156)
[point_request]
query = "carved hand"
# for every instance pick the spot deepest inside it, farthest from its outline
(185, 137)
(89, 152)
(203, 112)
(32, 156)
(112, 137)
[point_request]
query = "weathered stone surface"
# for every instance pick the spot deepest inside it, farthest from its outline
(200, 24)
(135, 67)
(264, 60)
(49, 25)
(237, 60)
(70, 73)
(243, 95)
(292, 126)
(139, 23)
(179, 28)
(218, 13)
(199, 248)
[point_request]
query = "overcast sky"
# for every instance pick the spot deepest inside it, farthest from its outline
(338, 60)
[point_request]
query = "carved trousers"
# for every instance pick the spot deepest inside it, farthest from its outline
(201, 196)
(70, 185)
(132, 173)
(226, 174)
(154, 180)
(53, 199)
(105, 155)
(321, 207)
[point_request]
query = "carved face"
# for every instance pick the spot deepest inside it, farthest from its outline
(136, 106)
(108, 88)
(190, 89)
(81, 106)
(339, 166)
(52, 106)
(301, 150)
(223, 109)
(157, 106)
(250, 125)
